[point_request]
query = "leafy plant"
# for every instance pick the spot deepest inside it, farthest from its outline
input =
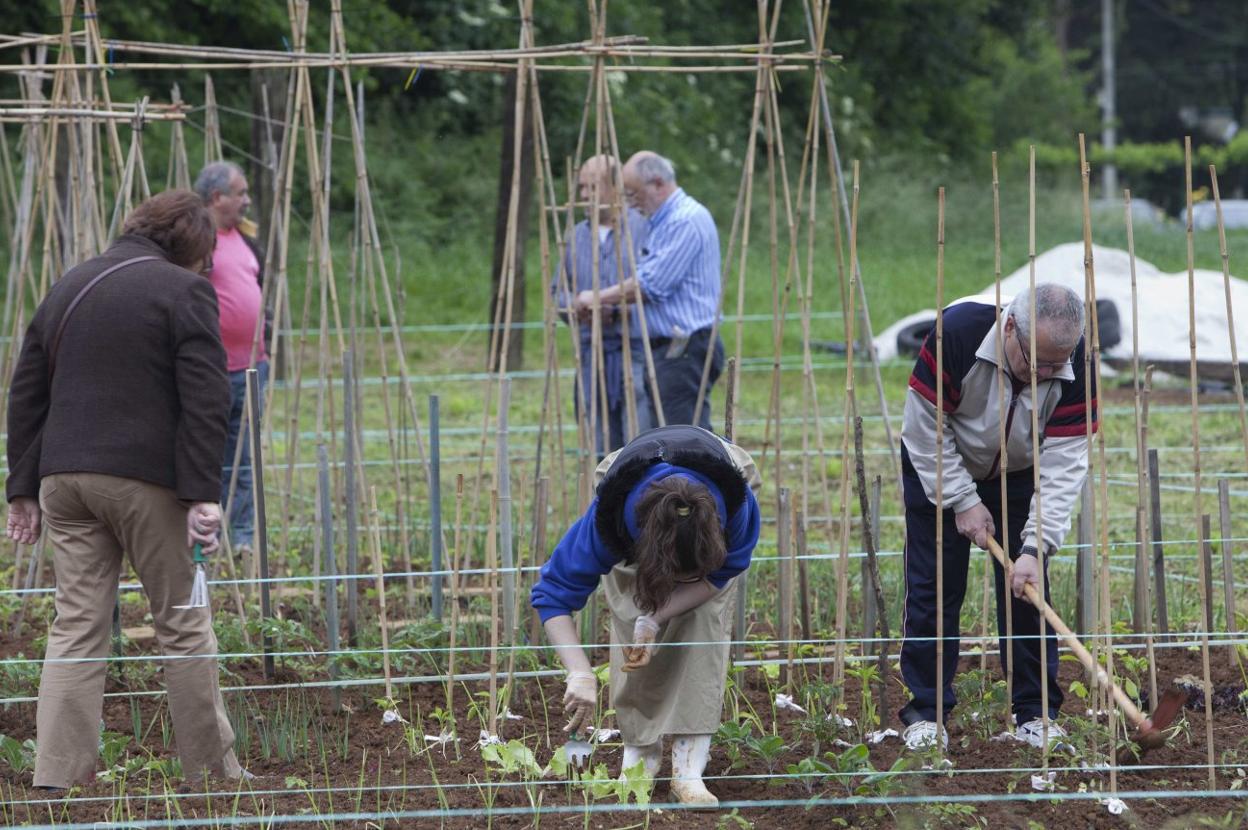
(943, 814)
(734, 738)
(512, 758)
(20, 756)
(982, 708)
(768, 748)
(868, 716)
(19, 677)
(113, 748)
(734, 820)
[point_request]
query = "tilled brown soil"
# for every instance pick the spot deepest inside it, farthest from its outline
(379, 773)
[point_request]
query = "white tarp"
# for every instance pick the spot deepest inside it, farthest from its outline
(1162, 300)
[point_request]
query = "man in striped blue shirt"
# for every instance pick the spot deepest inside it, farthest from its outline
(678, 278)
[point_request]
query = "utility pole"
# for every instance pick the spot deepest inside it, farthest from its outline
(1109, 115)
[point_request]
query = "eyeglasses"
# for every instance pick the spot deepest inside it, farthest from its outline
(1022, 347)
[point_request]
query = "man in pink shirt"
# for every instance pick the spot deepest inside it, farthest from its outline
(237, 275)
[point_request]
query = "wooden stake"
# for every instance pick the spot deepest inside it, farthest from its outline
(435, 506)
(540, 511)
(1159, 549)
(803, 585)
(784, 554)
(870, 535)
(257, 478)
(1228, 556)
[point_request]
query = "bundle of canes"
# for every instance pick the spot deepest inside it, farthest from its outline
(1150, 731)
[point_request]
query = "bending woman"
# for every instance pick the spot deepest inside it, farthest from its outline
(675, 520)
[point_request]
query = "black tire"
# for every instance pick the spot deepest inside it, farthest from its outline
(910, 339)
(1108, 324)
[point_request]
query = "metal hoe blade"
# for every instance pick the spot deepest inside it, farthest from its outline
(1154, 735)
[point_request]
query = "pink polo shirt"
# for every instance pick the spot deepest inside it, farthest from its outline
(234, 276)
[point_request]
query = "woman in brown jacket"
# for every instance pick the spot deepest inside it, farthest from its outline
(116, 430)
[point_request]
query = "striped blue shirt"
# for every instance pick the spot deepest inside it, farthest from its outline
(679, 269)
(578, 271)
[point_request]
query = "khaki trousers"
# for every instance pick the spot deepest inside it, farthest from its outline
(90, 520)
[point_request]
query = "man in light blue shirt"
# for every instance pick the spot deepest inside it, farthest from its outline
(603, 241)
(678, 277)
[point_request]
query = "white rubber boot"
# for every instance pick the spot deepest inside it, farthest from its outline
(650, 754)
(689, 756)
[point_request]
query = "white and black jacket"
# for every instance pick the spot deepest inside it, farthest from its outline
(972, 380)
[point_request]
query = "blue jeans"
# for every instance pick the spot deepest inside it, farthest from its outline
(617, 416)
(242, 511)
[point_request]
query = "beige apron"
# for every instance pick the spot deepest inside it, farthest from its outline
(681, 690)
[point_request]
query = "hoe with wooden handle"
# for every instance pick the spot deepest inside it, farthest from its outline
(1149, 731)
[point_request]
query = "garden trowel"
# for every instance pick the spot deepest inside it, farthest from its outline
(577, 750)
(199, 585)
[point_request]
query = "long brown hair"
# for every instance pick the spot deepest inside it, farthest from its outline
(680, 533)
(178, 222)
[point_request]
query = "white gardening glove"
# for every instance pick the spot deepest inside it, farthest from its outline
(580, 699)
(645, 630)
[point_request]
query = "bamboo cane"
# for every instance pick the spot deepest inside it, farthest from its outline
(1141, 454)
(455, 558)
(842, 562)
(1196, 482)
(1003, 378)
(938, 450)
(1037, 515)
(1230, 311)
(491, 569)
(1092, 357)
(379, 582)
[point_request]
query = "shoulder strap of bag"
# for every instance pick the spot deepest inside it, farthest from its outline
(60, 329)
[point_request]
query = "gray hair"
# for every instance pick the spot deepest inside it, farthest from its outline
(215, 178)
(1057, 305)
(653, 166)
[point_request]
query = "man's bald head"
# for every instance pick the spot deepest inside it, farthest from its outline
(596, 184)
(648, 180)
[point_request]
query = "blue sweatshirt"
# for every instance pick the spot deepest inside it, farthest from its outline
(581, 558)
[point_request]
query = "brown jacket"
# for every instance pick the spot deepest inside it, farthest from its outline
(140, 389)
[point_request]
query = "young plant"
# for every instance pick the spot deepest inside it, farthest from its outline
(867, 674)
(20, 756)
(733, 737)
(982, 709)
(768, 748)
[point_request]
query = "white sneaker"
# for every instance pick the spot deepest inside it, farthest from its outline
(921, 735)
(1032, 732)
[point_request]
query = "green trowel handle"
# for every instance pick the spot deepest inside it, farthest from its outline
(199, 554)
